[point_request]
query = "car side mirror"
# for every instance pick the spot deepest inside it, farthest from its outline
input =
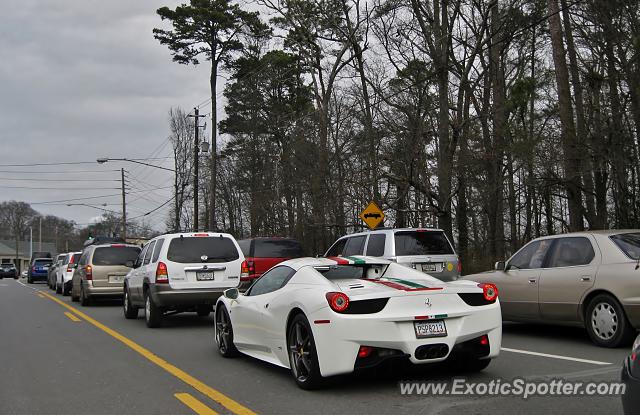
(500, 266)
(231, 293)
(74, 266)
(130, 264)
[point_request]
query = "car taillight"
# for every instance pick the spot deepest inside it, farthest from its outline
(89, 272)
(162, 276)
(246, 269)
(484, 340)
(489, 291)
(69, 268)
(33, 268)
(459, 267)
(365, 351)
(338, 301)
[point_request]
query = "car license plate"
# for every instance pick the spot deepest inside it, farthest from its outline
(435, 328)
(204, 275)
(429, 268)
(116, 278)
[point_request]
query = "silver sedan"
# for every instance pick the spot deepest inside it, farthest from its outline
(587, 278)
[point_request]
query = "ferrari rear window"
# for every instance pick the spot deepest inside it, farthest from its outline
(629, 243)
(341, 272)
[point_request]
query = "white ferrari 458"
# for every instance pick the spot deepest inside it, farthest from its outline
(328, 316)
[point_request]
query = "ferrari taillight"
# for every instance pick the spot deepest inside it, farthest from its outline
(162, 275)
(365, 351)
(338, 301)
(489, 291)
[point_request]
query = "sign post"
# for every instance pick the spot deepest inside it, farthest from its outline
(372, 215)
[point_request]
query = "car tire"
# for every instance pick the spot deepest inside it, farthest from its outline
(305, 370)
(65, 290)
(607, 323)
(130, 311)
(58, 288)
(15, 277)
(152, 313)
(224, 333)
(29, 280)
(85, 300)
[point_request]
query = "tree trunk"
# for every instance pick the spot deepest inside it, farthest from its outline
(571, 157)
(211, 219)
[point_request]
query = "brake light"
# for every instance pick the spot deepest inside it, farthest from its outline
(89, 272)
(246, 269)
(69, 268)
(337, 301)
(365, 351)
(484, 340)
(162, 275)
(33, 268)
(489, 291)
(200, 234)
(459, 267)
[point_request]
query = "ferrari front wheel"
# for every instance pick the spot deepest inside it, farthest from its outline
(224, 333)
(303, 357)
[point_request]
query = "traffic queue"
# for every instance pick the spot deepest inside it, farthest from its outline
(374, 298)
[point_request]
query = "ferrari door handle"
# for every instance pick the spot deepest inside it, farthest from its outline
(532, 280)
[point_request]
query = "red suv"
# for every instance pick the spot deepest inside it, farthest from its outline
(263, 253)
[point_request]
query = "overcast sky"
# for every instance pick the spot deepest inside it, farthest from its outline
(86, 79)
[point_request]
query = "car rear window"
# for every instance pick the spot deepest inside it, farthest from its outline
(341, 272)
(422, 243)
(43, 262)
(115, 255)
(629, 243)
(191, 249)
(277, 248)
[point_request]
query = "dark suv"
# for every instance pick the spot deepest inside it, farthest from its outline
(8, 270)
(263, 253)
(39, 270)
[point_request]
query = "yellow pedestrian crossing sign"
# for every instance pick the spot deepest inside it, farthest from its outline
(372, 215)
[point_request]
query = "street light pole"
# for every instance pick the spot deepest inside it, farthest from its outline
(124, 207)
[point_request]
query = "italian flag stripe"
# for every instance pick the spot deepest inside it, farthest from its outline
(356, 261)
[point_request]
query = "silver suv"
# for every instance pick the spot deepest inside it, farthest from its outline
(181, 272)
(424, 249)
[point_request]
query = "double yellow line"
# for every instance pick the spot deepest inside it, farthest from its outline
(233, 406)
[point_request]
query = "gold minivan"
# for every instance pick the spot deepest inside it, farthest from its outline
(100, 271)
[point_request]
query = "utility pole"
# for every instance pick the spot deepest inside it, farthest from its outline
(196, 149)
(124, 207)
(40, 234)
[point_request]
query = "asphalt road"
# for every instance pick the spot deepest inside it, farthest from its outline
(56, 360)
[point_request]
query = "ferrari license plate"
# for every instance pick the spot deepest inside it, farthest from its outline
(116, 278)
(204, 275)
(435, 328)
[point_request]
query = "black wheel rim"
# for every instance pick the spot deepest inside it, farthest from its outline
(223, 330)
(300, 351)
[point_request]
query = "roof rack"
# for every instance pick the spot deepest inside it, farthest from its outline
(102, 240)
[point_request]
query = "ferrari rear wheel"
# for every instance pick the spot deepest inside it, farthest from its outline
(224, 333)
(303, 357)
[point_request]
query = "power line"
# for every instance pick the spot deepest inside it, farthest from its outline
(59, 188)
(57, 180)
(67, 163)
(57, 172)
